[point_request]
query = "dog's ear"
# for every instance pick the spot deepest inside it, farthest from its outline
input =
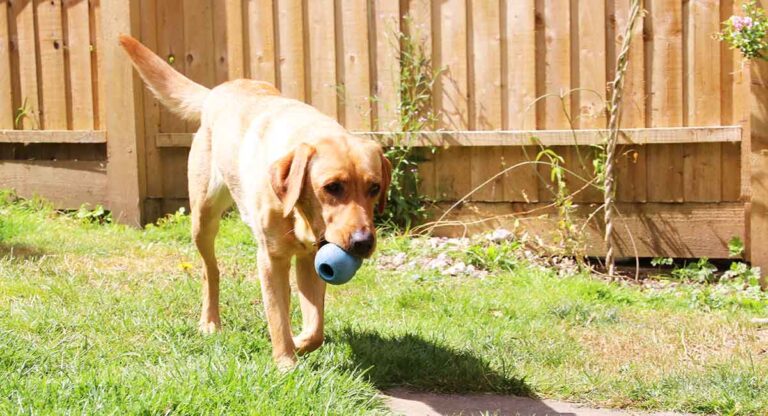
(287, 175)
(386, 179)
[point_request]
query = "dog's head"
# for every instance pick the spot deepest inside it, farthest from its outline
(335, 184)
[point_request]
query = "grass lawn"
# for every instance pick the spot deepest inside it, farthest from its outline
(101, 319)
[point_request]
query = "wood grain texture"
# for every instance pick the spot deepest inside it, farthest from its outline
(228, 32)
(417, 24)
(631, 166)
(6, 80)
(356, 85)
(386, 23)
(152, 155)
(170, 46)
(78, 52)
(261, 40)
(96, 64)
(665, 46)
(322, 56)
(674, 230)
(518, 67)
(125, 141)
(702, 162)
(290, 47)
(26, 40)
(50, 43)
(656, 136)
(486, 95)
(52, 136)
(66, 184)
(449, 25)
(734, 109)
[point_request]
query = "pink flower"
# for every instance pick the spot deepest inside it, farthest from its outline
(740, 23)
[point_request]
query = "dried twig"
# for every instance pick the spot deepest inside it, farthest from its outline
(614, 118)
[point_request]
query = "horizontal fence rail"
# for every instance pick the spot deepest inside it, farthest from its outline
(661, 135)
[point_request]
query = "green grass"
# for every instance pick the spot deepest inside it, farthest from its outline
(101, 319)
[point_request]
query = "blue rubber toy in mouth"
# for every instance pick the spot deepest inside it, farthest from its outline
(335, 265)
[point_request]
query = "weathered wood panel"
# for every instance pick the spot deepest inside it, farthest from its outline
(66, 184)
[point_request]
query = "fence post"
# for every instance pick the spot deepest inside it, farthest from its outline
(758, 165)
(124, 113)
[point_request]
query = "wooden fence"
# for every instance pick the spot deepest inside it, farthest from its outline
(690, 174)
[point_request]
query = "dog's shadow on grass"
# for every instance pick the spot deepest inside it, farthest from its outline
(414, 362)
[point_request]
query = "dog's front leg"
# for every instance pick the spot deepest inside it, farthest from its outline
(276, 291)
(312, 298)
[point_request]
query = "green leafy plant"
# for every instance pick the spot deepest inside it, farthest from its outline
(661, 261)
(96, 215)
(747, 33)
(702, 271)
(26, 112)
(742, 273)
(405, 205)
(735, 247)
(569, 238)
(494, 256)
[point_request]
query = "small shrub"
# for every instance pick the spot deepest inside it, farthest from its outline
(747, 33)
(417, 78)
(494, 256)
(701, 272)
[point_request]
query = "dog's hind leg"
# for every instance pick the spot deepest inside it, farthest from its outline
(209, 198)
(312, 298)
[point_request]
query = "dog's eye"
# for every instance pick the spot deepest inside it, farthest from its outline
(375, 188)
(334, 188)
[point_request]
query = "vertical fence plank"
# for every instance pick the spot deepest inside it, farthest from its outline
(665, 163)
(417, 24)
(29, 100)
(170, 46)
(322, 56)
(702, 162)
(6, 82)
(591, 69)
(199, 42)
(451, 96)
(153, 159)
(261, 41)
(732, 108)
(79, 52)
(758, 165)
(228, 40)
(356, 86)
(631, 163)
(518, 94)
(589, 75)
(386, 21)
(96, 57)
(125, 142)
(553, 58)
(485, 95)
(291, 48)
(50, 39)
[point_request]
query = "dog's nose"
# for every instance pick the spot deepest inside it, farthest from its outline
(361, 243)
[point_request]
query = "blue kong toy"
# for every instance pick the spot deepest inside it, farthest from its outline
(335, 265)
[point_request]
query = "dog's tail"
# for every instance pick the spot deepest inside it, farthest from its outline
(180, 94)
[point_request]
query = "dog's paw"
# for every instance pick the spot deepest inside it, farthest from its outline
(307, 343)
(285, 363)
(209, 327)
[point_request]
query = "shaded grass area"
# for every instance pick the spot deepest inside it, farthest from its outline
(101, 319)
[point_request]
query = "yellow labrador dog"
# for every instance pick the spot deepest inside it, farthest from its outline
(297, 177)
